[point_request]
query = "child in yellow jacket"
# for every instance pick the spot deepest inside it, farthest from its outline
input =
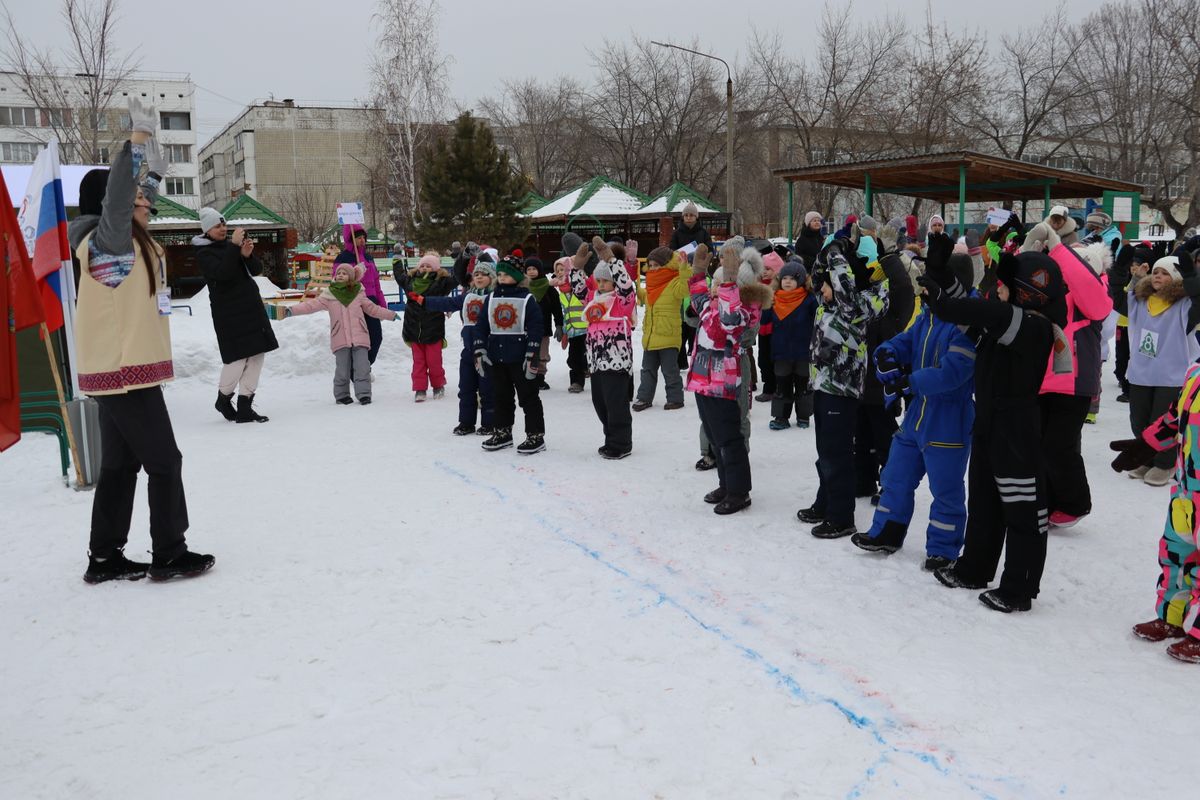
(667, 276)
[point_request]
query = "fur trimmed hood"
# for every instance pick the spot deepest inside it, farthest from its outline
(1172, 292)
(757, 294)
(1097, 256)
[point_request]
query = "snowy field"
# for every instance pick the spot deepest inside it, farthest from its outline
(395, 613)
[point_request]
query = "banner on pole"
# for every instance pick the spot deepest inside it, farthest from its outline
(351, 214)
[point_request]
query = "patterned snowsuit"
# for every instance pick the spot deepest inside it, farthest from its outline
(1178, 551)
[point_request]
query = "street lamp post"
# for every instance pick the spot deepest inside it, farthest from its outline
(729, 198)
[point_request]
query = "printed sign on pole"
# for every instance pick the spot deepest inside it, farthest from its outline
(1122, 209)
(350, 214)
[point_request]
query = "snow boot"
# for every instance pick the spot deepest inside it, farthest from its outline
(810, 515)
(246, 412)
(889, 540)
(934, 563)
(439, 392)
(419, 397)
(1137, 473)
(575, 388)
(828, 530)
(1158, 630)
(765, 397)
(365, 400)
(500, 439)
(732, 504)
(463, 429)
(715, 496)
(949, 576)
(483, 431)
(1002, 601)
(345, 401)
(188, 565)
(1157, 476)
(706, 463)
(612, 453)
(802, 424)
(1187, 650)
(114, 568)
(225, 406)
(641, 405)
(1061, 519)
(672, 406)
(779, 424)
(534, 443)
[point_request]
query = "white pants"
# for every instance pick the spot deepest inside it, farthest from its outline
(245, 371)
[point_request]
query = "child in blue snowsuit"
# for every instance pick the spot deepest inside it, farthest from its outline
(474, 390)
(933, 363)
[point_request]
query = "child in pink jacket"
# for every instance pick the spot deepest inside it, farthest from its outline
(606, 310)
(348, 308)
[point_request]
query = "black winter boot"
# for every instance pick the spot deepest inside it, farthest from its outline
(187, 565)
(114, 568)
(245, 410)
(225, 406)
(889, 540)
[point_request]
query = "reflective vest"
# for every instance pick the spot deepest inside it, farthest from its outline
(573, 321)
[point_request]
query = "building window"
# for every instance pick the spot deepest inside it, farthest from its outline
(103, 155)
(56, 117)
(239, 169)
(180, 186)
(18, 117)
(237, 141)
(179, 153)
(176, 121)
(19, 152)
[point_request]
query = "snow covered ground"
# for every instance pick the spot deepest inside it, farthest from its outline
(395, 613)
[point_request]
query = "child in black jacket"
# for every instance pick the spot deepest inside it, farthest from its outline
(547, 300)
(1015, 335)
(508, 335)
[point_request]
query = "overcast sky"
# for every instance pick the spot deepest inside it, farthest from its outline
(239, 52)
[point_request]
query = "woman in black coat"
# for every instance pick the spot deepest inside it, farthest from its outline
(689, 231)
(811, 239)
(244, 333)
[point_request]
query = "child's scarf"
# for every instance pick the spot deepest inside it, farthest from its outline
(345, 291)
(422, 282)
(788, 300)
(538, 287)
(657, 280)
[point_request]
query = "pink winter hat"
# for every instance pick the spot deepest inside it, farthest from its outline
(772, 261)
(348, 272)
(429, 260)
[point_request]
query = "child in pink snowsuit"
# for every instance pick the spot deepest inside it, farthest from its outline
(348, 307)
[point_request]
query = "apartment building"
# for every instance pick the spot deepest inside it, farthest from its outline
(298, 160)
(25, 128)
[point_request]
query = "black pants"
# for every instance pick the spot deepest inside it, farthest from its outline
(510, 387)
(766, 365)
(721, 420)
(685, 347)
(1122, 337)
(577, 359)
(1146, 404)
(610, 397)
(375, 332)
(835, 421)
(1006, 506)
(874, 428)
(1067, 487)
(791, 389)
(136, 434)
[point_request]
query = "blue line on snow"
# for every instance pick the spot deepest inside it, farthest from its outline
(787, 681)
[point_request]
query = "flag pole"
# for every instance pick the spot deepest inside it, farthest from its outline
(62, 405)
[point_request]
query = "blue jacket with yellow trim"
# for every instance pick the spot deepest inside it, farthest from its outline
(941, 411)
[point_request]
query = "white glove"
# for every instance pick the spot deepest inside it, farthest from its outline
(143, 119)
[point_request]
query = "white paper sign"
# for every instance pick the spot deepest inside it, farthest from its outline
(1122, 209)
(998, 216)
(350, 214)
(688, 248)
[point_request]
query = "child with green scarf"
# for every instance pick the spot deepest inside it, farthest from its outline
(425, 330)
(539, 287)
(348, 307)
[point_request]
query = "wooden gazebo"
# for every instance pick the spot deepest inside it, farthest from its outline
(965, 176)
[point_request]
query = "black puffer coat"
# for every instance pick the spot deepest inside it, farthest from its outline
(808, 245)
(421, 325)
(239, 318)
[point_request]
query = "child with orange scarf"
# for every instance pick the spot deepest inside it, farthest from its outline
(667, 276)
(792, 314)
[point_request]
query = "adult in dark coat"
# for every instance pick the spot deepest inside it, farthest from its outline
(244, 333)
(689, 231)
(811, 239)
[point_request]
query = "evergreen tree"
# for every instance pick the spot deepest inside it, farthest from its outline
(469, 190)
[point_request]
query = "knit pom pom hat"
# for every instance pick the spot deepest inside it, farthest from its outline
(810, 216)
(511, 268)
(749, 271)
(348, 273)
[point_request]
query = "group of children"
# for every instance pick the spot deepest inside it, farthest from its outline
(969, 350)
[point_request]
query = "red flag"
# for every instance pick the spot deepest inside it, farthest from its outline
(22, 308)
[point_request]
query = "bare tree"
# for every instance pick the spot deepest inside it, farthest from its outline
(73, 89)
(1175, 24)
(539, 125)
(409, 84)
(310, 209)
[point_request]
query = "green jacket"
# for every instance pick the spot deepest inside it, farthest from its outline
(662, 327)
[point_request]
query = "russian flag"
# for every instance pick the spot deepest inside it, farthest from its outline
(43, 220)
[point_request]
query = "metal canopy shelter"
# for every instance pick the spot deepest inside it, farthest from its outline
(964, 175)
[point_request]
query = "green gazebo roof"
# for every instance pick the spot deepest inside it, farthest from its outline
(245, 209)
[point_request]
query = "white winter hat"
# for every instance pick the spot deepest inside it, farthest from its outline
(1059, 211)
(1169, 265)
(209, 219)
